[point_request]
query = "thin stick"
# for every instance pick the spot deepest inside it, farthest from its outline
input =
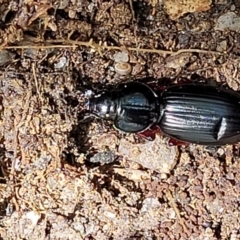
(98, 47)
(174, 206)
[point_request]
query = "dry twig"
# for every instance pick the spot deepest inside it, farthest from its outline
(98, 47)
(173, 205)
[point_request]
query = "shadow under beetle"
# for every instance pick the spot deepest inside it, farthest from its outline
(202, 114)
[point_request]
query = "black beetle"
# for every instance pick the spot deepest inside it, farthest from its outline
(201, 114)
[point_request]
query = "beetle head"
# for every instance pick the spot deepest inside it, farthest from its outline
(103, 105)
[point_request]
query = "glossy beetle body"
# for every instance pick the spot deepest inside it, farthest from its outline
(199, 114)
(133, 107)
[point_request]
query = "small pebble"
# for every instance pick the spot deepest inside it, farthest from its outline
(103, 157)
(123, 68)
(220, 151)
(121, 57)
(6, 57)
(62, 63)
(228, 21)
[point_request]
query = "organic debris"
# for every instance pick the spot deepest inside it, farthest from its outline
(65, 175)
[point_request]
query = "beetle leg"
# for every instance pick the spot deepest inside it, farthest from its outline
(198, 80)
(147, 134)
(175, 142)
(150, 133)
(160, 85)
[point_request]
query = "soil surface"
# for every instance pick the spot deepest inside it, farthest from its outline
(65, 176)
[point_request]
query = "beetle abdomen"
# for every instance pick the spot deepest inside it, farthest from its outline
(201, 114)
